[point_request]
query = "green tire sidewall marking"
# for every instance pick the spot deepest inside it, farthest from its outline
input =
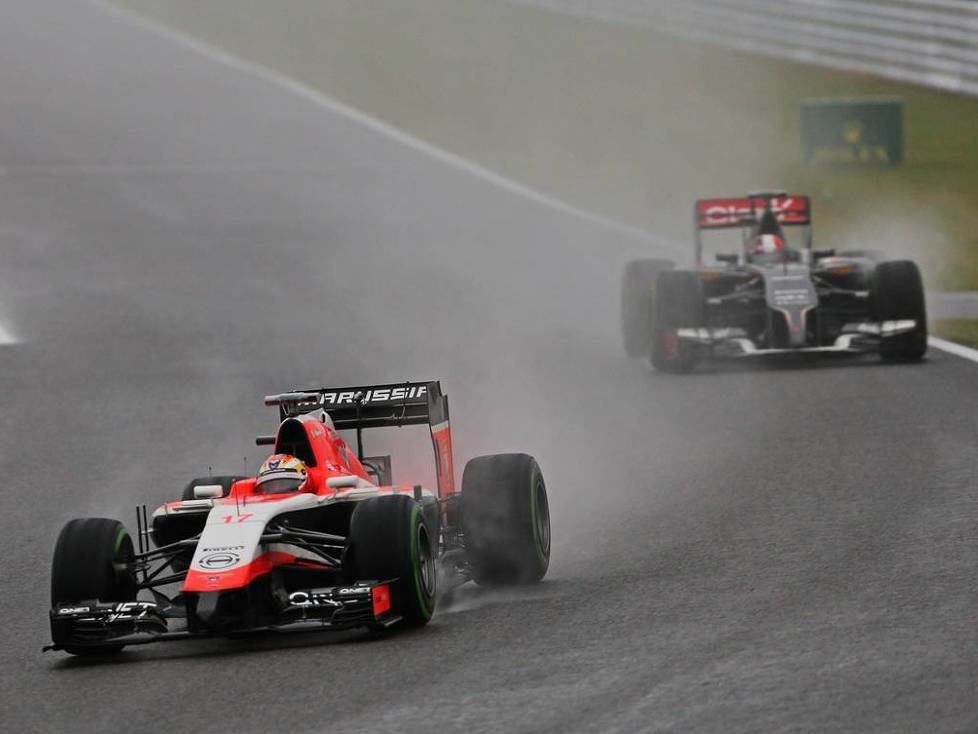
(415, 564)
(120, 535)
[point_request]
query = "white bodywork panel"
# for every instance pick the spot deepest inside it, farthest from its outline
(231, 537)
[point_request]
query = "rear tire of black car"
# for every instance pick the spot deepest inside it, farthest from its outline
(505, 519)
(897, 293)
(92, 560)
(390, 538)
(637, 296)
(225, 480)
(678, 305)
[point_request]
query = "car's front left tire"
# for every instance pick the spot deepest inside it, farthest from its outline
(390, 538)
(505, 519)
(897, 293)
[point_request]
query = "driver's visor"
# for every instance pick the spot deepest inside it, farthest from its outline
(279, 486)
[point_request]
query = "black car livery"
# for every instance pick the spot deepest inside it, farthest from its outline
(770, 298)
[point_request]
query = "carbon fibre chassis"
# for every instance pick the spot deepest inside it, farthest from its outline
(744, 314)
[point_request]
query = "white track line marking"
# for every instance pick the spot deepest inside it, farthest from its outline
(320, 99)
(959, 350)
(324, 101)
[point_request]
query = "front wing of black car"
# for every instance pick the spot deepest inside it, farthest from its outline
(857, 338)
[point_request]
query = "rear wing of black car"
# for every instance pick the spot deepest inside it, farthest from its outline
(724, 213)
(381, 406)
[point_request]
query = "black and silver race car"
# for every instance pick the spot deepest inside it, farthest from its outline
(770, 297)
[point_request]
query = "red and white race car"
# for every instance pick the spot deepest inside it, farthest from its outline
(320, 539)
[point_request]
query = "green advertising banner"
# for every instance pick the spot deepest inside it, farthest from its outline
(866, 131)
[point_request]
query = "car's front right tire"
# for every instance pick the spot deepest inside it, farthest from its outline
(678, 305)
(637, 303)
(92, 560)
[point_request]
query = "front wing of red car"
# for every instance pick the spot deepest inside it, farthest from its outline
(99, 624)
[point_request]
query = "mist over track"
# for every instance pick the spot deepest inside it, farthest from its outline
(743, 550)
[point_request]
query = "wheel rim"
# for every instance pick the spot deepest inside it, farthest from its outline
(426, 562)
(542, 515)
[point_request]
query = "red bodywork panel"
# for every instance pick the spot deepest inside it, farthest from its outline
(333, 459)
(441, 437)
(326, 456)
(238, 578)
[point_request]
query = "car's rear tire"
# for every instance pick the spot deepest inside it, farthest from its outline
(897, 293)
(225, 480)
(637, 289)
(390, 538)
(678, 305)
(505, 519)
(92, 560)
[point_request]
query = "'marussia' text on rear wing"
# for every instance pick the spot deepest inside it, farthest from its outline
(381, 406)
(370, 406)
(725, 213)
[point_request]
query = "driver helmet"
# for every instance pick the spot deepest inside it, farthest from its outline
(767, 245)
(281, 473)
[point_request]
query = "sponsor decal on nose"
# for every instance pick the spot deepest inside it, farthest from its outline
(218, 560)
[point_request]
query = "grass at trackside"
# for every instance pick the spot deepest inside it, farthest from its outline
(963, 331)
(623, 121)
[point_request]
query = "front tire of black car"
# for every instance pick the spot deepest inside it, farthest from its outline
(390, 538)
(897, 293)
(505, 519)
(637, 303)
(678, 305)
(92, 560)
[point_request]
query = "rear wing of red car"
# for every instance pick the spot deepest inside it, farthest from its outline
(724, 213)
(381, 406)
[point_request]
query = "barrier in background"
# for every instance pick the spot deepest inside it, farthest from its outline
(857, 131)
(932, 42)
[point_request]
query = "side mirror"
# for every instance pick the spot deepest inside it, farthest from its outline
(728, 257)
(208, 491)
(819, 254)
(379, 467)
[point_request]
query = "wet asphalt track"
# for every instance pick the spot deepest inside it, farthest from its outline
(767, 550)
